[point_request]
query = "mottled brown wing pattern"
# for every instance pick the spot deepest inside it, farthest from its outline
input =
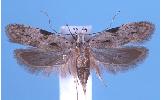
(48, 49)
(106, 47)
(78, 55)
(107, 50)
(115, 37)
(36, 37)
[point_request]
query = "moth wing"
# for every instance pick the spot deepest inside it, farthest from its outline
(36, 37)
(115, 37)
(38, 60)
(119, 59)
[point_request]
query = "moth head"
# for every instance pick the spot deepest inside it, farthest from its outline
(84, 30)
(77, 33)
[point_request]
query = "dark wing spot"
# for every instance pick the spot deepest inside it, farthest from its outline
(34, 43)
(133, 32)
(106, 41)
(113, 30)
(45, 32)
(23, 30)
(53, 44)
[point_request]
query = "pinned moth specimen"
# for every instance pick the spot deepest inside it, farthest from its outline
(79, 55)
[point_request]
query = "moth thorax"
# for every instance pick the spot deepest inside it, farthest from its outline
(80, 38)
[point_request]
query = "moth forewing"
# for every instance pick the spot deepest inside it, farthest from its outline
(137, 31)
(36, 37)
(115, 37)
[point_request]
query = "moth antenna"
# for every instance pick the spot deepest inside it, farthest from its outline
(49, 21)
(76, 30)
(71, 32)
(113, 19)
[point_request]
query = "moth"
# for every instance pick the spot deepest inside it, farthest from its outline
(108, 49)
